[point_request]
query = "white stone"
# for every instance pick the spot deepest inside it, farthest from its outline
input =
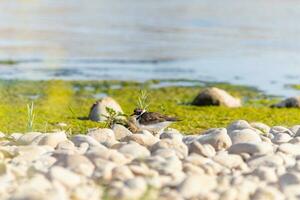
(238, 125)
(195, 185)
(179, 147)
(53, 139)
(64, 176)
(218, 138)
(134, 150)
(121, 131)
(230, 161)
(243, 136)
(77, 163)
(203, 149)
(98, 110)
(288, 148)
(280, 138)
(79, 139)
(280, 129)
(251, 148)
(104, 136)
(27, 138)
(261, 126)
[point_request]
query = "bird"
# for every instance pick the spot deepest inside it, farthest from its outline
(152, 121)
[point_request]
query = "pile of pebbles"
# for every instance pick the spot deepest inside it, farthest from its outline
(242, 161)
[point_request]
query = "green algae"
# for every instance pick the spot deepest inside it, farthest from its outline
(69, 102)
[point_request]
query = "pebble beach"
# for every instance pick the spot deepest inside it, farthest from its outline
(242, 161)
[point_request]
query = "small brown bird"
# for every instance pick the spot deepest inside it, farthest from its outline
(152, 121)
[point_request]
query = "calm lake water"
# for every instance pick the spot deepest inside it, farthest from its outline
(253, 42)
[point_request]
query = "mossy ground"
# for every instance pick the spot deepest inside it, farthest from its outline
(67, 101)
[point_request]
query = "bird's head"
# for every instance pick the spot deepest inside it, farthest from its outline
(138, 112)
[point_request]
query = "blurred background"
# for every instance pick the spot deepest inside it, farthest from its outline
(255, 43)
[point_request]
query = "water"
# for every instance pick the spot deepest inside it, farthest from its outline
(245, 42)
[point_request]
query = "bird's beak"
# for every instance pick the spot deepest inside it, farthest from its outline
(132, 115)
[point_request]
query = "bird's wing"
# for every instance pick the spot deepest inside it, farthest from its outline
(153, 118)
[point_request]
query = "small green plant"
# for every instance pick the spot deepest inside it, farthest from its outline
(114, 117)
(30, 116)
(143, 100)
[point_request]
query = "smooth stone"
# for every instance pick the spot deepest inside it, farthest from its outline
(76, 163)
(179, 147)
(251, 148)
(295, 140)
(265, 160)
(216, 97)
(191, 186)
(134, 150)
(98, 110)
(261, 126)
(66, 145)
(79, 139)
(267, 174)
(53, 139)
(238, 125)
(295, 130)
(230, 161)
(267, 193)
(132, 189)
(64, 176)
(188, 139)
(87, 191)
(280, 138)
(121, 131)
(243, 136)
(288, 179)
(203, 149)
(280, 129)
(291, 102)
(103, 169)
(288, 148)
(122, 173)
(27, 138)
(171, 134)
(146, 140)
(104, 136)
(108, 154)
(191, 169)
(218, 138)
(167, 166)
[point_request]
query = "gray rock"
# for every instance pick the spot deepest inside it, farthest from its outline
(216, 97)
(122, 173)
(104, 136)
(203, 149)
(251, 148)
(244, 136)
(98, 109)
(218, 138)
(288, 179)
(292, 102)
(121, 131)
